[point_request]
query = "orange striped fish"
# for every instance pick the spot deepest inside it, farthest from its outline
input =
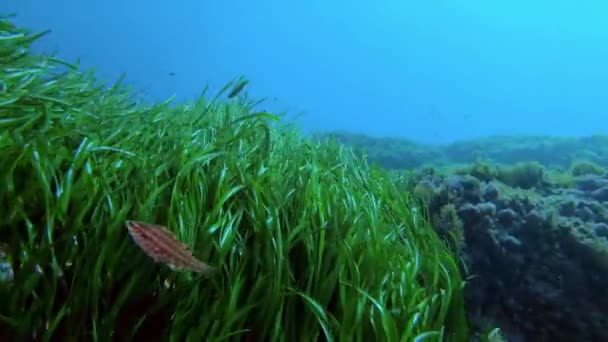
(162, 246)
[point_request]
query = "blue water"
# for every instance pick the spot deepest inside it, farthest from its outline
(432, 71)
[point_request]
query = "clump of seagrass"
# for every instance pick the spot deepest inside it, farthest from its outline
(312, 242)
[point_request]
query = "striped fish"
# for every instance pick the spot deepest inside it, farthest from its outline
(162, 246)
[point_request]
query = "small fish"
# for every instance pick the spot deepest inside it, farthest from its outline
(162, 246)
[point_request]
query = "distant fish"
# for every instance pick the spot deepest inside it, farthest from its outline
(162, 246)
(238, 87)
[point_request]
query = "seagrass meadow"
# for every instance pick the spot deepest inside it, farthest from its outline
(309, 242)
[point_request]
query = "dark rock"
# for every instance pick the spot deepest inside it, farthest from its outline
(574, 193)
(535, 219)
(502, 203)
(469, 213)
(510, 243)
(506, 217)
(487, 222)
(517, 206)
(585, 214)
(471, 188)
(487, 208)
(567, 208)
(600, 229)
(600, 211)
(454, 186)
(490, 192)
(601, 194)
(590, 183)
(535, 253)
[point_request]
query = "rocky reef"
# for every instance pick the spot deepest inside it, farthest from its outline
(533, 242)
(528, 218)
(399, 153)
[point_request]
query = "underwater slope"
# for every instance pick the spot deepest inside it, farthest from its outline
(398, 153)
(535, 244)
(308, 242)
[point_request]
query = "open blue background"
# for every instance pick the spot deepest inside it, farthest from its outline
(434, 71)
